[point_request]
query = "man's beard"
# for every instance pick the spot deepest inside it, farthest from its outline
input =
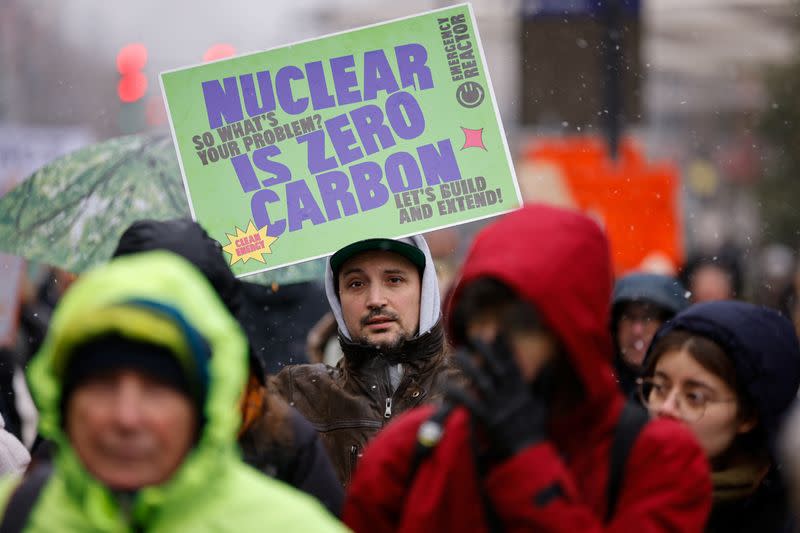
(388, 346)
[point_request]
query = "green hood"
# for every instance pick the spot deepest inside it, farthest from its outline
(166, 279)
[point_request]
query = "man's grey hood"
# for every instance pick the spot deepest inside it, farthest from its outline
(429, 302)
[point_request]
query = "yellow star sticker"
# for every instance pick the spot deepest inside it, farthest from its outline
(249, 244)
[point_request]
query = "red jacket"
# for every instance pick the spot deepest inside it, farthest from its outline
(558, 261)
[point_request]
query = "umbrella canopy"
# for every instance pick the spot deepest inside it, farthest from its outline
(71, 212)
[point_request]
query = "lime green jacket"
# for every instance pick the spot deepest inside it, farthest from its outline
(213, 490)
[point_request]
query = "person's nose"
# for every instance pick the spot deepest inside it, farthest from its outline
(376, 297)
(128, 402)
(669, 408)
(638, 326)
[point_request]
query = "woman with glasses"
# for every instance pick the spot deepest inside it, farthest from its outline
(729, 370)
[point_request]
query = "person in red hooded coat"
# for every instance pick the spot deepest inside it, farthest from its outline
(529, 446)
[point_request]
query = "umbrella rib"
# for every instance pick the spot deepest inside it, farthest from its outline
(103, 179)
(118, 199)
(176, 204)
(178, 207)
(25, 196)
(95, 249)
(168, 188)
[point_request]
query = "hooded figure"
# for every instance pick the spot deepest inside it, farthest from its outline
(151, 314)
(555, 262)
(276, 336)
(641, 302)
(765, 355)
(274, 438)
(391, 364)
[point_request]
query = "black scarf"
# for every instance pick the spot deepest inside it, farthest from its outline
(423, 346)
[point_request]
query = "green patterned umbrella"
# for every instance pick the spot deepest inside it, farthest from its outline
(71, 212)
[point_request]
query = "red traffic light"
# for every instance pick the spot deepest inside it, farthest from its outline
(132, 87)
(131, 58)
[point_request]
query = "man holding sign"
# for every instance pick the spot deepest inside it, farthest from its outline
(385, 296)
(293, 153)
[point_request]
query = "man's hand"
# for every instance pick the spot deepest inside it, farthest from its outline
(512, 415)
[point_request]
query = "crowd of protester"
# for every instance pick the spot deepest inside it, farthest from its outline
(534, 393)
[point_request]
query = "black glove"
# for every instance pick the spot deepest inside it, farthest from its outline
(513, 416)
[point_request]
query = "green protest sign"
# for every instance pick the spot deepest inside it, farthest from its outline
(383, 131)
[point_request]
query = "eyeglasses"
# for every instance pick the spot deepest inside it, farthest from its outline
(692, 400)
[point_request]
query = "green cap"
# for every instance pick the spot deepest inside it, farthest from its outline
(410, 252)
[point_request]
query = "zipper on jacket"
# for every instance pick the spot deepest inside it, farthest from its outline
(388, 412)
(354, 455)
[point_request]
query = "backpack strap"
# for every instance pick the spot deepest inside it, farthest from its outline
(428, 436)
(632, 420)
(24, 497)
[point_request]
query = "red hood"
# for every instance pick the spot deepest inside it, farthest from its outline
(558, 260)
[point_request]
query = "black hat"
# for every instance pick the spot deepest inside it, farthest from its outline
(109, 353)
(188, 239)
(410, 252)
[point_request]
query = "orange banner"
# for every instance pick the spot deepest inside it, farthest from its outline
(636, 201)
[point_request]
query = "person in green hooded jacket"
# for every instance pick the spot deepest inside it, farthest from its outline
(138, 384)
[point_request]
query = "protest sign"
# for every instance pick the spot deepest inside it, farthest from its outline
(383, 131)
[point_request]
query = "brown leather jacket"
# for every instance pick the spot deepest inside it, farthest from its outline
(349, 403)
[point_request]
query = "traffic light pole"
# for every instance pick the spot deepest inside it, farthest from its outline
(612, 58)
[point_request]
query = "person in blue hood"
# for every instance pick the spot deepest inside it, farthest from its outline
(730, 370)
(640, 304)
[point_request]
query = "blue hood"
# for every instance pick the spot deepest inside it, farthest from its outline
(764, 349)
(663, 291)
